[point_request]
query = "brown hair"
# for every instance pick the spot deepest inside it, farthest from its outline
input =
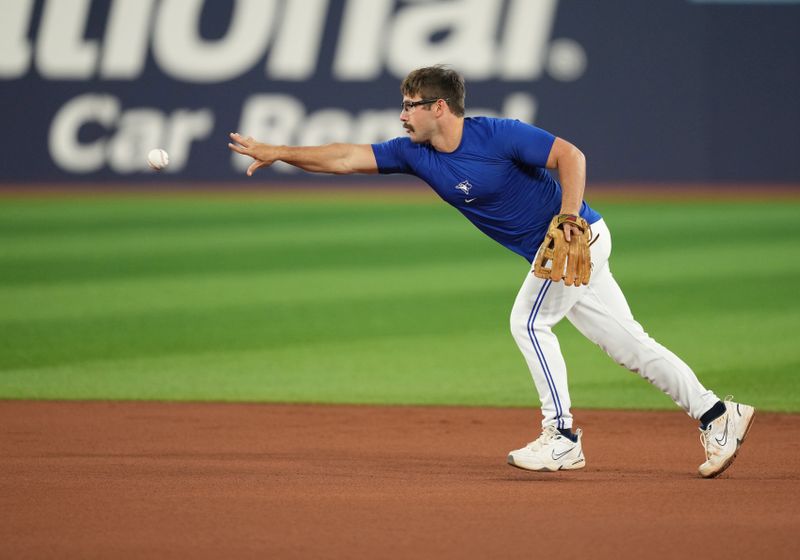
(439, 82)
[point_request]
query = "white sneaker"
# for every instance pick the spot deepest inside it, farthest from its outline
(550, 452)
(723, 437)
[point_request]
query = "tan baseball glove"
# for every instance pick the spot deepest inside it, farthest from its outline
(558, 259)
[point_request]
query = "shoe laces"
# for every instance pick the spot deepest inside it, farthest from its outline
(704, 437)
(548, 434)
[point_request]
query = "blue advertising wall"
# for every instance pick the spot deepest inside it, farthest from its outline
(661, 90)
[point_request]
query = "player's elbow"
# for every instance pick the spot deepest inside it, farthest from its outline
(576, 156)
(356, 158)
(572, 161)
(565, 155)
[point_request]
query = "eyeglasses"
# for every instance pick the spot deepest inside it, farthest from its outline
(407, 106)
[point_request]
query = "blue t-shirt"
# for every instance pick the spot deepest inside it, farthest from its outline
(496, 178)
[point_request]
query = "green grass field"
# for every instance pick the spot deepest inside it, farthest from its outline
(349, 300)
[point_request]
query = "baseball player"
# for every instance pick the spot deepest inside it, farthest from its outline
(495, 172)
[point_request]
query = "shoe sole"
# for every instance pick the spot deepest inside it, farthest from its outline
(739, 442)
(579, 464)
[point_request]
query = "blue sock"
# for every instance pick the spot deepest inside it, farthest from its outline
(712, 414)
(567, 433)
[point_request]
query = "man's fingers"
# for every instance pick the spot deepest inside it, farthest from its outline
(241, 140)
(253, 166)
(238, 149)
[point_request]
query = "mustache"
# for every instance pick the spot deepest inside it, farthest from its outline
(408, 127)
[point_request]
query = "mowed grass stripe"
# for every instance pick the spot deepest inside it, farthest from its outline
(84, 300)
(389, 369)
(154, 240)
(243, 326)
(687, 263)
(81, 300)
(419, 237)
(265, 233)
(56, 218)
(240, 260)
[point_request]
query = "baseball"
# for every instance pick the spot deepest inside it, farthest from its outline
(157, 159)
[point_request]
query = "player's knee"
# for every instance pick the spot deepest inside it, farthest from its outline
(518, 322)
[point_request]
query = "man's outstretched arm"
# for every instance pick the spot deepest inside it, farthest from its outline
(341, 159)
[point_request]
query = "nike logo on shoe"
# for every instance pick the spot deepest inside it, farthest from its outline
(557, 456)
(724, 439)
(468, 200)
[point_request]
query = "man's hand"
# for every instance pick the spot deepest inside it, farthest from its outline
(263, 154)
(569, 229)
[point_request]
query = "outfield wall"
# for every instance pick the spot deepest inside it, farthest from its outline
(658, 91)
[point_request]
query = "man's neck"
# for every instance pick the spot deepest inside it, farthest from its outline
(449, 138)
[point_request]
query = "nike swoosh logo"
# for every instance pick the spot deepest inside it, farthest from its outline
(724, 439)
(468, 200)
(557, 456)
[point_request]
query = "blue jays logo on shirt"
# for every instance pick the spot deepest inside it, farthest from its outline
(464, 187)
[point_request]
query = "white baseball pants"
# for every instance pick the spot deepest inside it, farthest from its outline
(599, 311)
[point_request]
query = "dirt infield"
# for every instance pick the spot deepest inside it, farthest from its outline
(156, 480)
